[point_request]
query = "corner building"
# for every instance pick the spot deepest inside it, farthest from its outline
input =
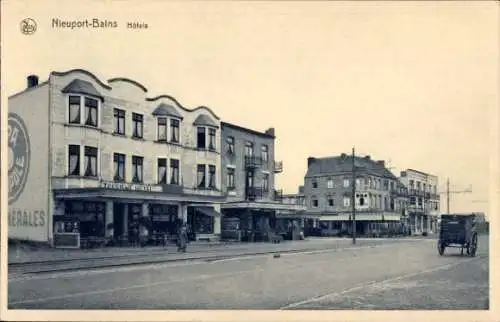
(105, 157)
(253, 206)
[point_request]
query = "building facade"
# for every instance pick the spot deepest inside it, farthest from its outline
(248, 170)
(423, 200)
(103, 159)
(380, 199)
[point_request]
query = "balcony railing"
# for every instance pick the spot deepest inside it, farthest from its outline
(212, 192)
(256, 193)
(252, 161)
(278, 166)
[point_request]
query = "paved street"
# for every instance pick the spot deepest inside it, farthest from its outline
(399, 274)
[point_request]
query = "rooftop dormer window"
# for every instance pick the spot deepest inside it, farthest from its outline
(205, 126)
(83, 103)
(169, 121)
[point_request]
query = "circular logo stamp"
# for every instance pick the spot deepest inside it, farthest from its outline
(19, 156)
(28, 26)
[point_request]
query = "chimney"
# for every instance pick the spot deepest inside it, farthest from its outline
(343, 155)
(367, 157)
(381, 162)
(32, 81)
(403, 174)
(310, 161)
(270, 131)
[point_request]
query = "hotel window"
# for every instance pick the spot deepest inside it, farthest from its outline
(346, 183)
(230, 145)
(74, 160)
(90, 161)
(174, 130)
(74, 109)
(265, 182)
(174, 171)
(411, 184)
(211, 139)
(162, 170)
(248, 149)
(230, 178)
(201, 175)
(265, 153)
(91, 105)
(200, 143)
(329, 184)
(418, 185)
(119, 163)
(162, 129)
(331, 202)
(250, 179)
(137, 170)
(137, 125)
(412, 200)
(315, 203)
(315, 184)
(211, 176)
(119, 121)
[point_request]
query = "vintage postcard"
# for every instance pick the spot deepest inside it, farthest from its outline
(249, 160)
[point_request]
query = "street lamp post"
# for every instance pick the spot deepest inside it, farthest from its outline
(353, 199)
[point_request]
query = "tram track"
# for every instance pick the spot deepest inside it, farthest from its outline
(65, 265)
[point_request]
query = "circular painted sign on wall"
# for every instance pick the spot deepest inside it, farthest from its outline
(19, 156)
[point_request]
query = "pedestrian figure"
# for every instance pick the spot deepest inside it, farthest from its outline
(182, 239)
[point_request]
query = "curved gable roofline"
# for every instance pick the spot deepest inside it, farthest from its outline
(127, 80)
(83, 71)
(180, 105)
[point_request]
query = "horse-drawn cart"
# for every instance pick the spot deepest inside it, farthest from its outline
(458, 231)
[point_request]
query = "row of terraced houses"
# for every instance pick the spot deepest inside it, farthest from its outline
(101, 161)
(93, 160)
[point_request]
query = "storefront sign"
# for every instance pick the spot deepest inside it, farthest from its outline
(26, 218)
(131, 186)
(19, 156)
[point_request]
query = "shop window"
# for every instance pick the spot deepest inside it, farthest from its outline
(162, 129)
(174, 131)
(89, 216)
(162, 170)
(137, 169)
(119, 164)
(203, 224)
(137, 125)
(90, 161)
(119, 116)
(174, 171)
(74, 160)
(201, 139)
(201, 168)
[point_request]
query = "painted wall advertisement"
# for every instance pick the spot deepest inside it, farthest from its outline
(28, 168)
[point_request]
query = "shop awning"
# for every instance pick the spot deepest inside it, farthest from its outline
(208, 211)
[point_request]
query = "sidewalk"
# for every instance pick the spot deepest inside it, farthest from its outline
(18, 255)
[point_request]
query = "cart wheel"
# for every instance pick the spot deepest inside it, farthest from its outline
(441, 248)
(472, 246)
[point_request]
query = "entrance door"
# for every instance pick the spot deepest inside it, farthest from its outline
(118, 211)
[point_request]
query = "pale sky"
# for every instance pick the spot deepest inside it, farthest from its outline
(413, 83)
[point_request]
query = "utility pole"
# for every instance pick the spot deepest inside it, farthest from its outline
(448, 192)
(353, 199)
(448, 196)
